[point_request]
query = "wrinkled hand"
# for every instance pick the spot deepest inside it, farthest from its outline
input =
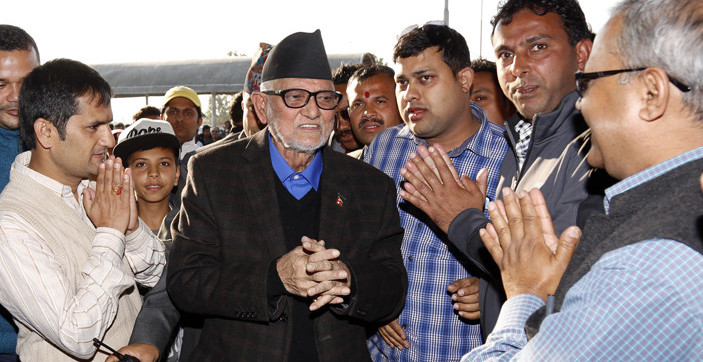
(434, 186)
(145, 352)
(104, 206)
(516, 240)
(326, 268)
(394, 335)
(465, 297)
(313, 271)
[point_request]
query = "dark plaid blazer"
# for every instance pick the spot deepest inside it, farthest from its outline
(229, 231)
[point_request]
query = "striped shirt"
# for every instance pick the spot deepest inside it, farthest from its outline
(641, 302)
(434, 330)
(36, 290)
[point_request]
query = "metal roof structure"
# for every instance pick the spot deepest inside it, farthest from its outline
(210, 76)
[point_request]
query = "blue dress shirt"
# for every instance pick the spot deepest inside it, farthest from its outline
(434, 330)
(641, 302)
(297, 183)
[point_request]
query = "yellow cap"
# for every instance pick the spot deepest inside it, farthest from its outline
(182, 91)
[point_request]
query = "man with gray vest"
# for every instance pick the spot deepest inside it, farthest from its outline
(632, 288)
(72, 249)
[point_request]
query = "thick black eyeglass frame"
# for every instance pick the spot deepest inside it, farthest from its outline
(282, 94)
(582, 79)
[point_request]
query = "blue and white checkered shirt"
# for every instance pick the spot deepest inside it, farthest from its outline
(434, 330)
(641, 302)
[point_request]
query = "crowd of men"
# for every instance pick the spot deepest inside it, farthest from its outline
(543, 207)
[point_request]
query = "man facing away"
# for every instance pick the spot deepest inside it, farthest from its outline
(72, 251)
(632, 290)
(308, 254)
(433, 81)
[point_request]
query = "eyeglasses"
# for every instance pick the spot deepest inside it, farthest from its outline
(582, 79)
(299, 98)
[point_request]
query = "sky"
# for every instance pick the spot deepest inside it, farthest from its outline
(99, 32)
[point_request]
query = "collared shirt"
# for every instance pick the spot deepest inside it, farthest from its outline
(640, 302)
(35, 288)
(433, 328)
(297, 183)
(189, 147)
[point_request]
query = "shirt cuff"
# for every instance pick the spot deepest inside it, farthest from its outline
(516, 310)
(111, 239)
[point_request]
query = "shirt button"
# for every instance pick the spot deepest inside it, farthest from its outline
(296, 177)
(404, 326)
(410, 258)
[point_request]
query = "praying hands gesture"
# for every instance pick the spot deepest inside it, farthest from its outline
(522, 241)
(314, 272)
(434, 186)
(112, 204)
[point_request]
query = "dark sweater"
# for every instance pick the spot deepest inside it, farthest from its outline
(300, 218)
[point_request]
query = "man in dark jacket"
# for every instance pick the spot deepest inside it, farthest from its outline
(309, 254)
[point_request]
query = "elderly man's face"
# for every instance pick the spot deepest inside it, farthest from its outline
(610, 108)
(536, 63)
(303, 129)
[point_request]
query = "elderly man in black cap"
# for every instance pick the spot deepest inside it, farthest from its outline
(309, 253)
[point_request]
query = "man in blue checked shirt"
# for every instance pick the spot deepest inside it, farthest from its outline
(632, 290)
(433, 83)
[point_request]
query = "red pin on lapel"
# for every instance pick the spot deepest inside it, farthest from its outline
(340, 200)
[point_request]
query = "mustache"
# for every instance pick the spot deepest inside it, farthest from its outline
(372, 119)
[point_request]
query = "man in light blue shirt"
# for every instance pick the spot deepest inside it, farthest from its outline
(632, 289)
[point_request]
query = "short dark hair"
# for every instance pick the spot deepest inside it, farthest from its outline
(572, 18)
(485, 65)
(455, 52)
(14, 38)
(236, 113)
(146, 112)
(342, 73)
(369, 71)
(51, 91)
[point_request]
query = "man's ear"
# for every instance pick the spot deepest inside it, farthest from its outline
(466, 78)
(654, 93)
(45, 133)
(200, 121)
(583, 51)
(178, 174)
(259, 100)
